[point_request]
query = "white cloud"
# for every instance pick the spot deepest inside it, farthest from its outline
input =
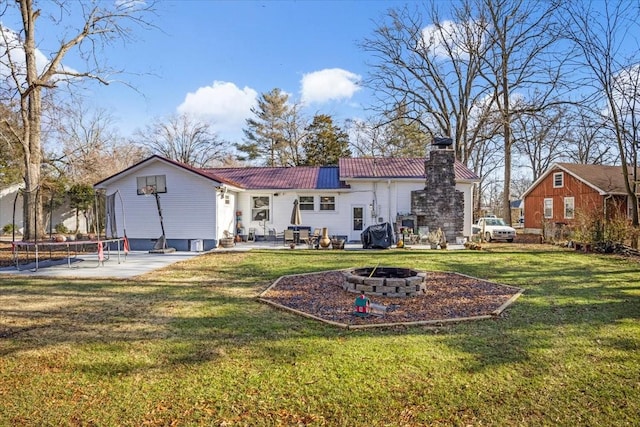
(11, 50)
(12, 57)
(329, 84)
(225, 104)
(451, 39)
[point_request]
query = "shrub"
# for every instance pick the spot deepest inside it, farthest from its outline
(8, 228)
(61, 229)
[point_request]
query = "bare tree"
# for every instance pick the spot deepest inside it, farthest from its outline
(431, 67)
(392, 136)
(368, 138)
(100, 23)
(610, 61)
(540, 138)
(589, 139)
(291, 152)
(521, 35)
(90, 147)
(185, 139)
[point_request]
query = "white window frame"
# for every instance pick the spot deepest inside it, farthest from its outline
(569, 207)
(547, 205)
(308, 204)
(255, 209)
(327, 203)
(558, 176)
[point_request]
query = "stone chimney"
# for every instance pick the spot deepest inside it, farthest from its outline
(440, 205)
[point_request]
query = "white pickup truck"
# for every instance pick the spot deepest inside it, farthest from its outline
(494, 229)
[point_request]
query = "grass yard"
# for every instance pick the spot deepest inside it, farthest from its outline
(190, 345)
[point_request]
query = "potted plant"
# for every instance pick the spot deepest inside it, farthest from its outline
(227, 241)
(337, 243)
(437, 240)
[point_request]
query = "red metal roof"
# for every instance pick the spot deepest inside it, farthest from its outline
(283, 178)
(394, 168)
(312, 177)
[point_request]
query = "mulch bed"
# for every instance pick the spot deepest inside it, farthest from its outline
(449, 297)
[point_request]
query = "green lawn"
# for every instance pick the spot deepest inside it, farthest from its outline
(190, 345)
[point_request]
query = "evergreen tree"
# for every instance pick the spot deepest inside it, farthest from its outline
(325, 143)
(265, 133)
(81, 197)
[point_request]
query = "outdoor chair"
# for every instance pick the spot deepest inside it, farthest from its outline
(289, 236)
(304, 237)
(277, 237)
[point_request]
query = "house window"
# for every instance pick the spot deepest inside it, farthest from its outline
(151, 184)
(327, 203)
(227, 199)
(569, 207)
(260, 208)
(306, 203)
(548, 208)
(558, 180)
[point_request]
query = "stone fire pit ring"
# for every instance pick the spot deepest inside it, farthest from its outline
(385, 281)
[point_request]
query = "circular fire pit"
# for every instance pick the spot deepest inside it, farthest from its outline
(385, 281)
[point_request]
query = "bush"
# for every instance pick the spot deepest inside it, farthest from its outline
(590, 228)
(8, 228)
(61, 229)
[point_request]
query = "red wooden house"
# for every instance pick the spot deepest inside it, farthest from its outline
(566, 189)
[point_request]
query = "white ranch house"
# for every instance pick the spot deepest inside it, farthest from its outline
(205, 205)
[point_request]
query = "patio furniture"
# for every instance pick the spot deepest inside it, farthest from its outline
(289, 237)
(303, 236)
(314, 239)
(275, 236)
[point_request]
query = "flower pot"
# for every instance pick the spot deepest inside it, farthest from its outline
(227, 242)
(337, 243)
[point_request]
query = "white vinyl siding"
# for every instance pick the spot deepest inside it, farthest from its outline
(184, 216)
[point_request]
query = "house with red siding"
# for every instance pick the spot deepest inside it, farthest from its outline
(567, 189)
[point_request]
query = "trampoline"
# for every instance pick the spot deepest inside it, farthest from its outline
(72, 249)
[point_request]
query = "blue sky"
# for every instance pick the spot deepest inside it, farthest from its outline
(214, 58)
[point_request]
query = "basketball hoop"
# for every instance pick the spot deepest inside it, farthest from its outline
(148, 190)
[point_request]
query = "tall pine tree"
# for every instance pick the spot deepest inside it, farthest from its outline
(265, 133)
(325, 143)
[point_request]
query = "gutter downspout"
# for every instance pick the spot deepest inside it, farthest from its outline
(389, 201)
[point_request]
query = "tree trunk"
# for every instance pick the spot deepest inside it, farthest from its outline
(31, 100)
